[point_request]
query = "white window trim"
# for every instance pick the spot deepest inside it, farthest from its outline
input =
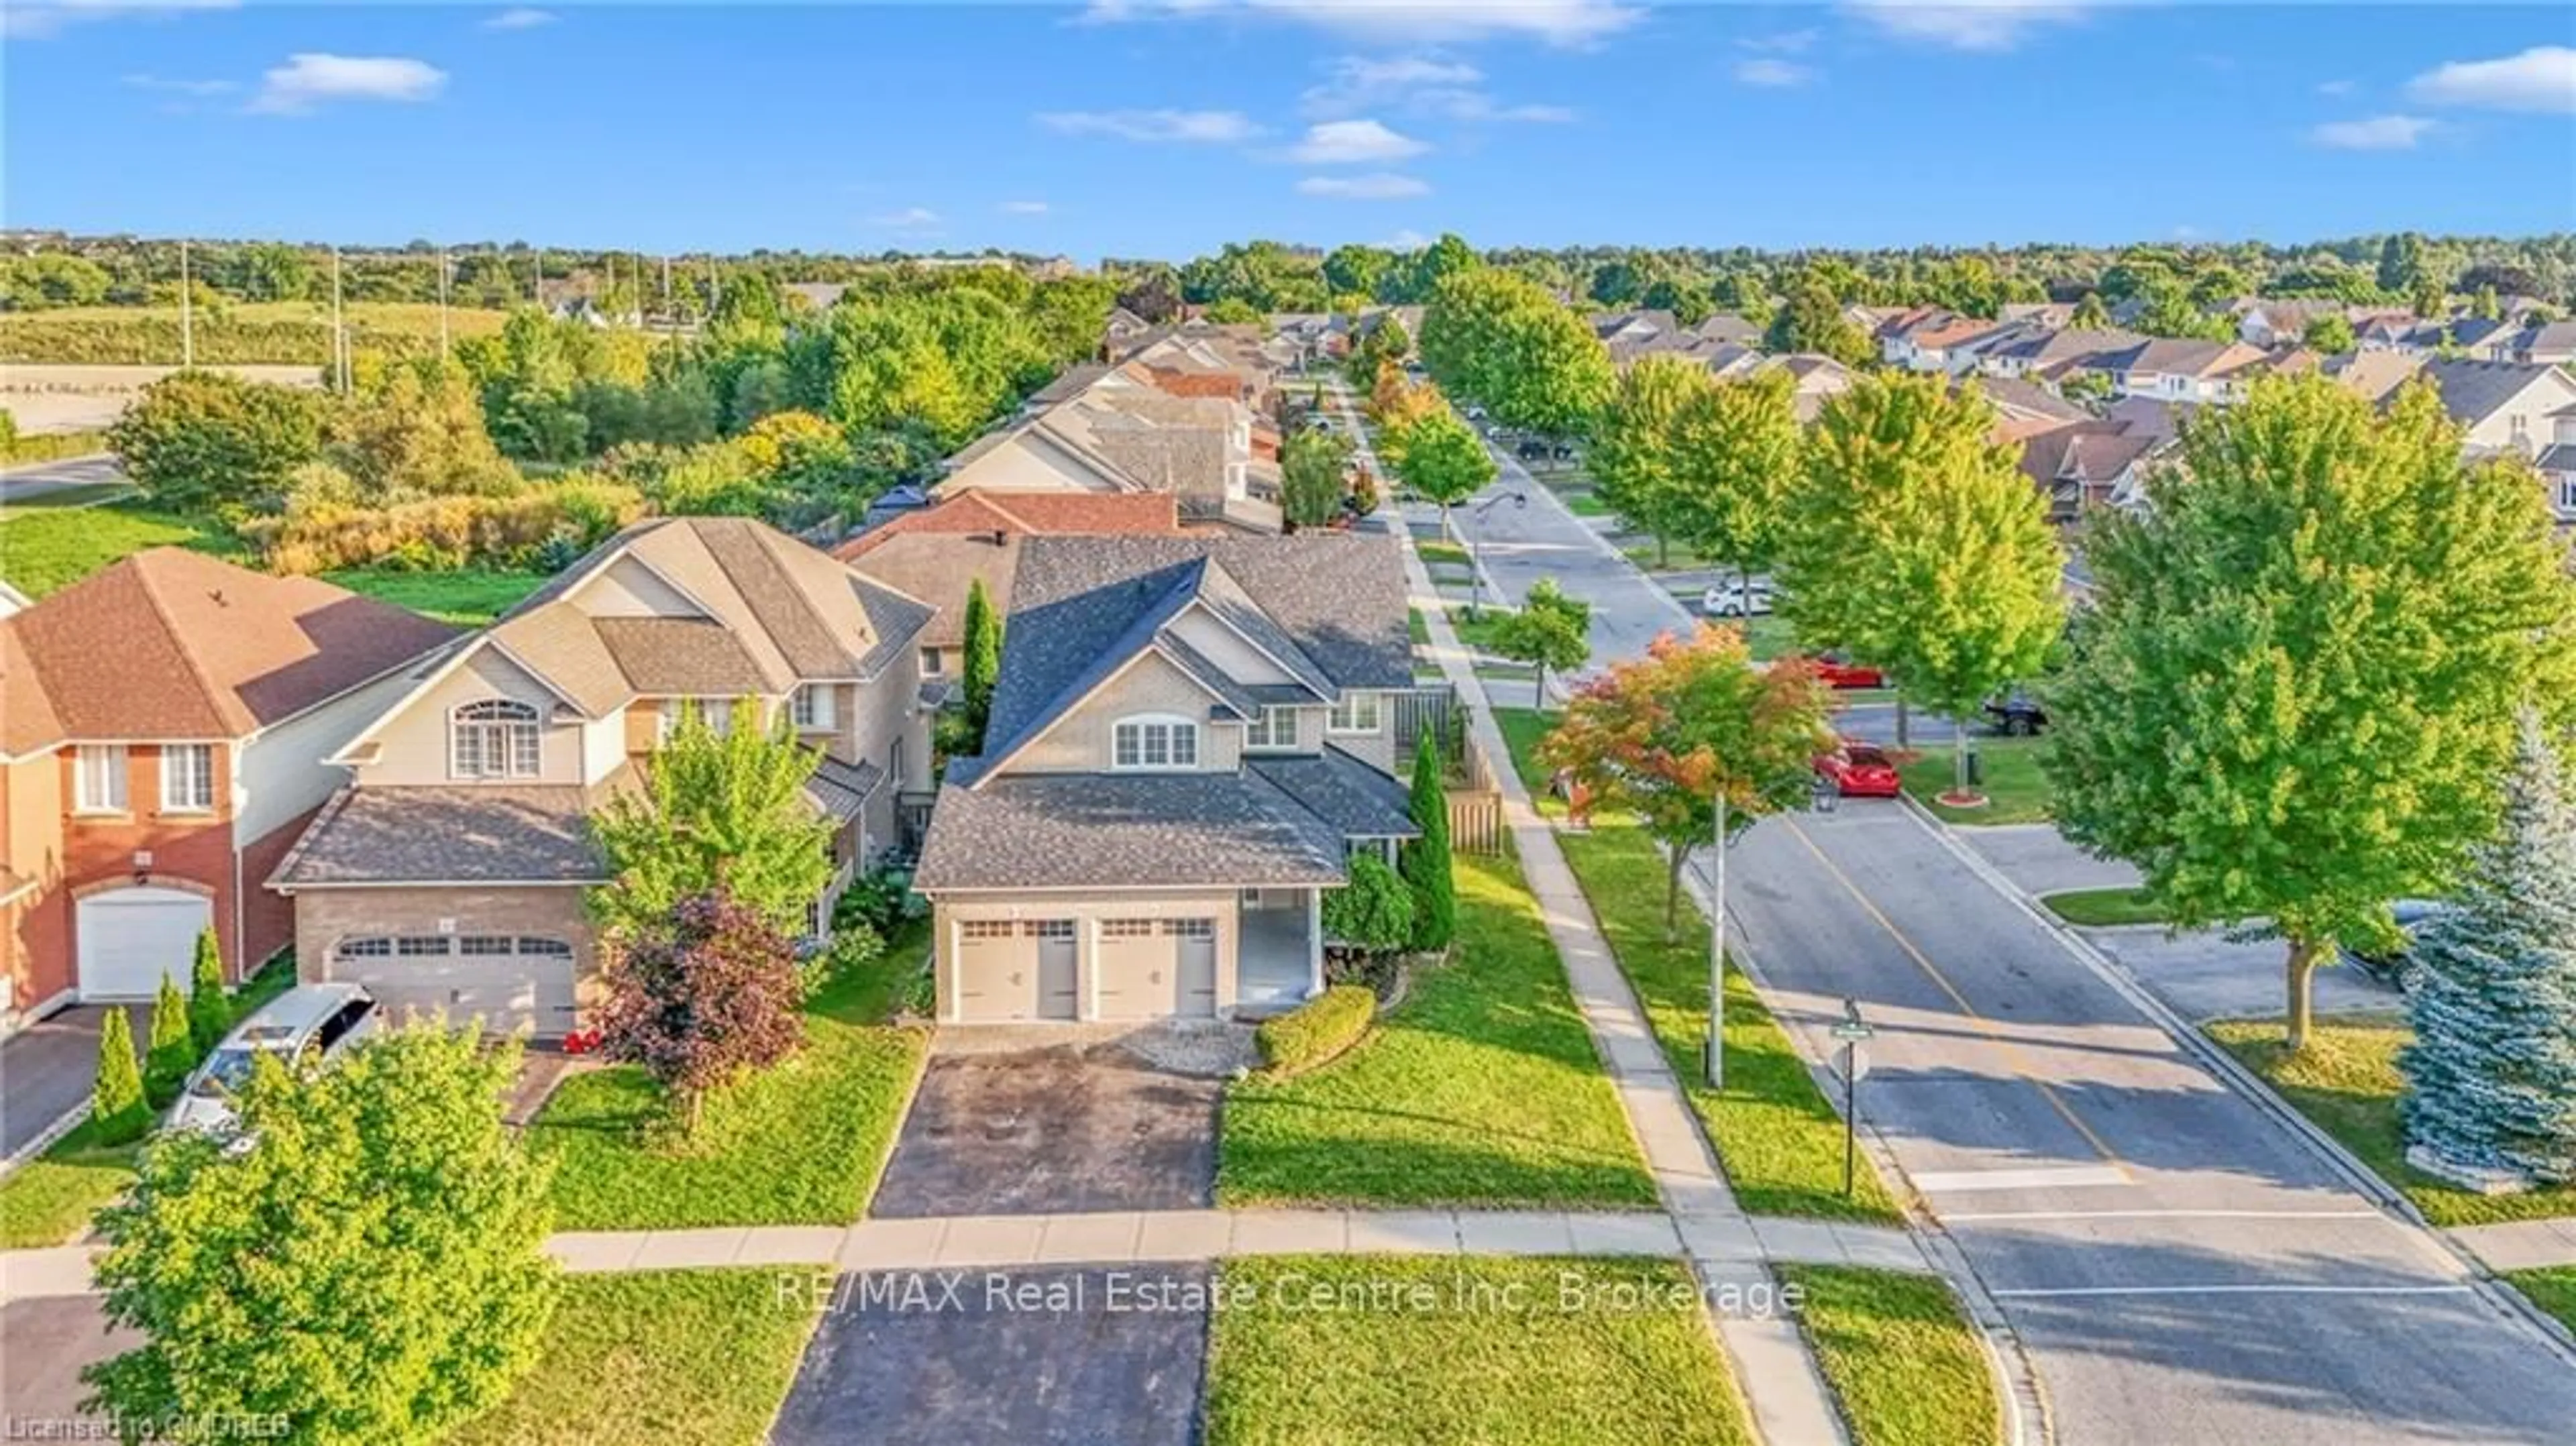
(1350, 705)
(1261, 735)
(204, 778)
(716, 713)
(112, 757)
(496, 731)
(1178, 728)
(811, 707)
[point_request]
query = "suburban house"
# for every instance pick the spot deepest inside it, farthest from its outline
(449, 871)
(2049, 355)
(162, 726)
(1190, 738)
(939, 553)
(2548, 342)
(1125, 434)
(2557, 464)
(1930, 339)
(2182, 369)
(2505, 406)
(2082, 465)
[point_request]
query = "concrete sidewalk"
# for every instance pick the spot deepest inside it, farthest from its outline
(1144, 1237)
(1773, 1365)
(2519, 1245)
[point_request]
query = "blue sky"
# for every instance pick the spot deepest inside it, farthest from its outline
(1162, 127)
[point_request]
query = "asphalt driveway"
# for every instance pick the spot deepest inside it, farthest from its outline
(47, 1068)
(1010, 1358)
(1058, 1130)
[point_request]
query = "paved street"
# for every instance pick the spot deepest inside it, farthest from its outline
(28, 484)
(2180, 1265)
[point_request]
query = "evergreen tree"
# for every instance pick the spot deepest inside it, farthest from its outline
(210, 1014)
(1425, 860)
(172, 1054)
(2491, 1075)
(117, 1110)
(983, 659)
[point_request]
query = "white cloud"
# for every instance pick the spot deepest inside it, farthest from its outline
(169, 86)
(311, 79)
(1772, 71)
(1406, 239)
(913, 220)
(1375, 186)
(1352, 143)
(1569, 23)
(2542, 78)
(1416, 85)
(1202, 127)
(2378, 133)
(1787, 42)
(519, 18)
(2335, 87)
(1024, 208)
(1967, 24)
(37, 19)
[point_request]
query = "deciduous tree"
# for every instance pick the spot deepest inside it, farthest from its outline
(1373, 913)
(1735, 462)
(718, 810)
(1551, 630)
(2296, 685)
(1313, 466)
(1443, 460)
(1634, 458)
(702, 997)
(199, 439)
(372, 1270)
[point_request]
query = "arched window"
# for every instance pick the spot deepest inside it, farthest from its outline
(1154, 741)
(494, 738)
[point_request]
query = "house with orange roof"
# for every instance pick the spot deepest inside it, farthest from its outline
(163, 725)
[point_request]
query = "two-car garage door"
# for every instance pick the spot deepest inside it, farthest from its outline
(1030, 969)
(507, 981)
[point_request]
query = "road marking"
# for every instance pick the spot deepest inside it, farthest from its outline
(1963, 1217)
(1933, 1182)
(2078, 1291)
(1994, 1035)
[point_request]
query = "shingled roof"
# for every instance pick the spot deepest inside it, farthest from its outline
(173, 644)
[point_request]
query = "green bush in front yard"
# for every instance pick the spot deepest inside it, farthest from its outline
(210, 1015)
(118, 1111)
(171, 1056)
(1316, 1030)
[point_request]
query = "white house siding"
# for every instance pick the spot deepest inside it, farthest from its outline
(1079, 742)
(627, 588)
(279, 775)
(1226, 648)
(2533, 407)
(1027, 463)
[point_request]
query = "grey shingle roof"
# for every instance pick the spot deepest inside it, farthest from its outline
(468, 835)
(1085, 830)
(839, 790)
(1357, 800)
(2473, 390)
(697, 656)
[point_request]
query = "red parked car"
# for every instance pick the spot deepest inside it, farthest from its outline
(1837, 670)
(1859, 770)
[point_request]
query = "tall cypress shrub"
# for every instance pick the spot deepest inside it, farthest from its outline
(1425, 860)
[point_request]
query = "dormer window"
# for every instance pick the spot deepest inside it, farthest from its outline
(716, 713)
(1154, 742)
(1275, 728)
(493, 738)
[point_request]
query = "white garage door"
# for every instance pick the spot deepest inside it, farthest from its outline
(1135, 967)
(503, 981)
(1015, 969)
(128, 938)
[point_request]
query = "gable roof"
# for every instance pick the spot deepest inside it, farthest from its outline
(172, 644)
(770, 612)
(2473, 391)
(1328, 607)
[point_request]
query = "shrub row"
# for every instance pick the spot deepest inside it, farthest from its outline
(154, 341)
(1316, 1031)
(538, 529)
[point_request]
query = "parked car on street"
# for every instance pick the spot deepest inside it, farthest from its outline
(311, 1022)
(1859, 770)
(1732, 599)
(1838, 670)
(2410, 916)
(2016, 713)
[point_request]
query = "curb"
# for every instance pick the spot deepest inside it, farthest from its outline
(63, 1125)
(2256, 1091)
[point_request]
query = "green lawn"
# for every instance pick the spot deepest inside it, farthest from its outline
(680, 1357)
(2553, 1290)
(2346, 1081)
(1482, 1088)
(47, 549)
(800, 1144)
(2015, 789)
(1903, 1362)
(1782, 1143)
(49, 1200)
(1435, 551)
(1478, 629)
(1400, 1351)
(1675, 558)
(1583, 502)
(469, 597)
(2103, 908)
(1415, 626)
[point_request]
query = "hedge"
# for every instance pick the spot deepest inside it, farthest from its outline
(442, 534)
(1316, 1031)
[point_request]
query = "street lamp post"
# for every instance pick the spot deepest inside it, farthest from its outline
(1717, 954)
(1476, 547)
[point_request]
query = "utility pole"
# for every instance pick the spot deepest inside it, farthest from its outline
(1717, 955)
(187, 313)
(339, 331)
(442, 305)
